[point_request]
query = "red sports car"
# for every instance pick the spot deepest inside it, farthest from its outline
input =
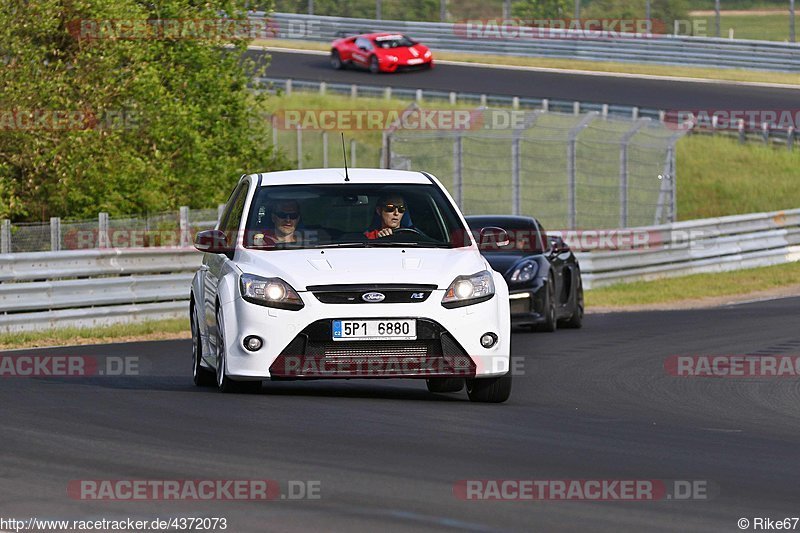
(380, 52)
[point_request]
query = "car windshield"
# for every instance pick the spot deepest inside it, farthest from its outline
(352, 215)
(394, 41)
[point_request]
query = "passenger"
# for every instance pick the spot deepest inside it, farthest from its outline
(285, 218)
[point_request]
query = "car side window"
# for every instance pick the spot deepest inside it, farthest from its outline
(364, 44)
(232, 216)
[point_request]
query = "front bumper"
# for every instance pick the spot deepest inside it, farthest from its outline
(527, 305)
(297, 344)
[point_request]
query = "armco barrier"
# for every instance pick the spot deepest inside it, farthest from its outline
(660, 49)
(96, 287)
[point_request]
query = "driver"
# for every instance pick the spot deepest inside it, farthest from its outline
(389, 214)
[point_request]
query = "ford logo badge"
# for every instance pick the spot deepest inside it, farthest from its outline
(373, 297)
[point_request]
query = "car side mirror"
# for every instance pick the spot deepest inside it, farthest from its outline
(493, 237)
(212, 241)
(558, 245)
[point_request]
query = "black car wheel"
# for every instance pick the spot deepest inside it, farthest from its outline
(489, 390)
(576, 320)
(374, 67)
(336, 61)
(550, 323)
(444, 384)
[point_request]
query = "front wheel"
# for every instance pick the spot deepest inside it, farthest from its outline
(489, 390)
(576, 320)
(550, 322)
(224, 383)
(444, 384)
(374, 66)
(201, 376)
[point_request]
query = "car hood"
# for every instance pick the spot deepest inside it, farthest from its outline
(502, 262)
(331, 266)
(405, 53)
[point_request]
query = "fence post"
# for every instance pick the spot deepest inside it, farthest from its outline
(515, 171)
(5, 237)
(790, 138)
(274, 136)
(299, 147)
(183, 217)
(353, 153)
(458, 166)
(572, 184)
(386, 147)
(55, 234)
(102, 230)
(324, 149)
(623, 170)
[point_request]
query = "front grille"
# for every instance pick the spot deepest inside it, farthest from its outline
(312, 354)
(352, 294)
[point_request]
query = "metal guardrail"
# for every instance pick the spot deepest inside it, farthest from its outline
(45, 290)
(628, 48)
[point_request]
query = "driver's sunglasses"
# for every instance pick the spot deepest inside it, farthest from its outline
(388, 208)
(285, 215)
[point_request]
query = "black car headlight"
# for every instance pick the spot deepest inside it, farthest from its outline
(270, 292)
(468, 290)
(524, 271)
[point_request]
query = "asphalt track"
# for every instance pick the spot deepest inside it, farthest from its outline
(658, 94)
(594, 403)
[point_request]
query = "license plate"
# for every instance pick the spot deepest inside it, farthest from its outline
(414, 61)
(374, 330)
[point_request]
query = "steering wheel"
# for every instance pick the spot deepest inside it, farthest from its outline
(409, 230)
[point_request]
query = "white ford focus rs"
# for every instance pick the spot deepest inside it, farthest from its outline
(365, 273)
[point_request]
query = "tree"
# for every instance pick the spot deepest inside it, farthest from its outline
(122, 125)
(541, 9)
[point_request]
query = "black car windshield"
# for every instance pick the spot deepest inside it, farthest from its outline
(394, 41)
(352, 215)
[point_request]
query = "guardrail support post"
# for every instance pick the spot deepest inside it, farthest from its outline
(102, 230)
(55, 234)
(458, 169)
(576, 108)
(386, 154)
(324, 149)
(765, 132)
(299, 147)
(572, 183)
(354, 91)
(387, 93)
(183, 218)
(418, 98)
(515, 102)
(288, 90)
(604, 110)
(453, 98)
(483, 100)
(323, 87)
(742, 137)
(5, 237)
(545, 105)
(790, 138)
(635, 113)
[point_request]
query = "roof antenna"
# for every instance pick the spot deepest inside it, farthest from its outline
(344, 154)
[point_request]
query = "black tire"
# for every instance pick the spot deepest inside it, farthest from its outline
(224, 383)
(551, 323)
(374, 66)
(489, 390)
(202, 376)
(576, 320)
(444, 384)
(336, 61)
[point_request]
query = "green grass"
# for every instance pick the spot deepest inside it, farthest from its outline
(151, 330)
(717, 176)
(772, 27)
(697, 286)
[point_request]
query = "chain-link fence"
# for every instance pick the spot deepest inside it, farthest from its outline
(171, 228)
(570, 171)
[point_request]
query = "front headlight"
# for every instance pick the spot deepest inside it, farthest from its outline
(271, 292)
(427, 54)
(391, 58)
(468, 290)
(524, 271)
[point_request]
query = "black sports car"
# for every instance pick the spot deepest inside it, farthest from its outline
(543, 275)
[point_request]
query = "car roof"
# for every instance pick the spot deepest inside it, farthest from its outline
(322, 176)
(500, 220)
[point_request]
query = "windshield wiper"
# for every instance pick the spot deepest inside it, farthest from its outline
(342, 245)
(410, 244)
